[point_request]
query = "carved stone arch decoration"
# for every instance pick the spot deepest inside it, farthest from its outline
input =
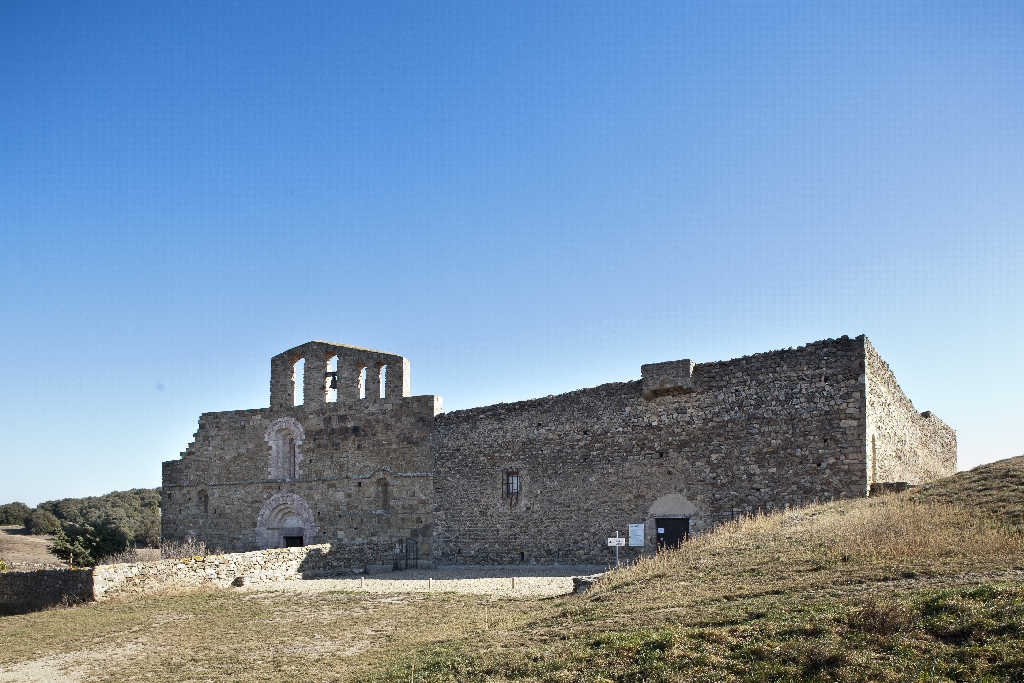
(285, 436)
(285, 514)
(382, 471)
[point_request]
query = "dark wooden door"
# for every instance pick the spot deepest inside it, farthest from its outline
(293, 541)
(672, 531)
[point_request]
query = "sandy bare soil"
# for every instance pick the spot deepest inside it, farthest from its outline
(23, 551)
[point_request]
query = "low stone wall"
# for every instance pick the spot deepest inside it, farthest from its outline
(34, 590)
(127, 581)
(44, 588)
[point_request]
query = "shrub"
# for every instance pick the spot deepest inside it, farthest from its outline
(136, 513)
(88, 543)
(71, 550)
(883, 617)
(3, 566)
(14, 514)
(126, 556)
(191, 548)
(41, 521)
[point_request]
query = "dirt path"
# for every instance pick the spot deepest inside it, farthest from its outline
(72, 667)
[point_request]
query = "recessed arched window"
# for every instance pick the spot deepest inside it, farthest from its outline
(383, 495)
(204, 502)
(285, 437)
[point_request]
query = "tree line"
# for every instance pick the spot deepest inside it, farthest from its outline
(88, 529)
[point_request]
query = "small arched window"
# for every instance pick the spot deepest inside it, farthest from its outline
(383, 495)
(204, 502)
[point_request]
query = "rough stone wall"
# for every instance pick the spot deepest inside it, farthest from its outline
(715, 440)
(141, 579)
(702, 442)
(903, 445)
(351, 361)
(225, 482)
(44, 588)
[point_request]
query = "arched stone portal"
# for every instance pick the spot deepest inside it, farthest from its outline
(285, 515)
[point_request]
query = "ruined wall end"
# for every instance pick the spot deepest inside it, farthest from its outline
(903, 445)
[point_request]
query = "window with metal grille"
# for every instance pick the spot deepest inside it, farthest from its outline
(511, 484)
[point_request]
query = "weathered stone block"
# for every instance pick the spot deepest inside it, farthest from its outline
(672, 377)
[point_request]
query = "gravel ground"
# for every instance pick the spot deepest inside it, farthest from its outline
(493, 581)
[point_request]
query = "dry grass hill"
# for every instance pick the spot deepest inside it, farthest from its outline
(920, 586)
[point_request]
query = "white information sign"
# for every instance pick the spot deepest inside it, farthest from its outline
(636, 535)
(616, 541)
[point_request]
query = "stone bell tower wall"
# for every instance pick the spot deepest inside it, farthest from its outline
(355, 472)
(352, 360)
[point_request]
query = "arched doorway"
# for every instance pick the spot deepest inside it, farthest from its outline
(285, 520)
(670, 518)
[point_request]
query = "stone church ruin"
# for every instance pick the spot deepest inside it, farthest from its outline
(388, 479)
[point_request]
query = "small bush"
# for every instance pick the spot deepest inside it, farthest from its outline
(3, 566)
(127, 556)
(883, 618)
(14, 514)
(175, 551)
(41, 521)
(70, 550)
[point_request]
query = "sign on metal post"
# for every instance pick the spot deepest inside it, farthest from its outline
(636, 535)
(616, 543)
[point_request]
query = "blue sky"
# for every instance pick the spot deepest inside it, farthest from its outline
(521, 198)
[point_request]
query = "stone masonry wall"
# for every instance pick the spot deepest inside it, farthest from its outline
(141, 579)
(703, 442)
(350, 449)
(713, 441)
(903, 445)
(44, 588)
(34, 590)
